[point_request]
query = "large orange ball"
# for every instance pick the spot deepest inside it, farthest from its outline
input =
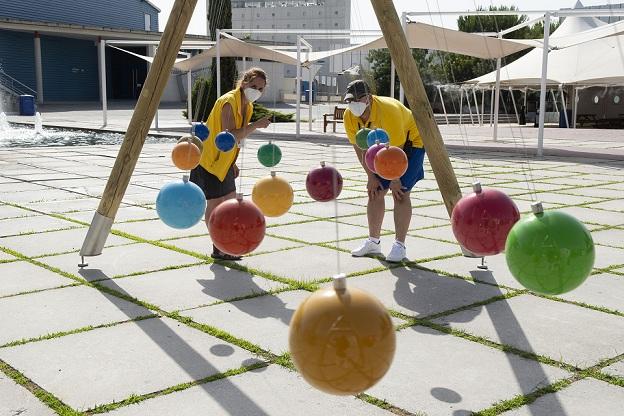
(342, 342)
(236, 226)
(273, 195)
(391, 163)
(186, 155)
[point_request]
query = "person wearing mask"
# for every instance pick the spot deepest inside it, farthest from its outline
(217, 170)
(372, 111)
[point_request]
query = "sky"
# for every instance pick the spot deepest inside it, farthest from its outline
(363, 16)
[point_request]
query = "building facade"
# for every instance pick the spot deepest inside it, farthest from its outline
(50, 48)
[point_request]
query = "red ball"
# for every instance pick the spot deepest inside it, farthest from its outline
(482, 220)
(236, 226)
(324, 183)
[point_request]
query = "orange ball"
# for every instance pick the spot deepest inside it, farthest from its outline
(342, 341)
(273, 195)
(391, 163)
(185, 155)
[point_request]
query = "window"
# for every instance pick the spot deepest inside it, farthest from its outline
(148, 22)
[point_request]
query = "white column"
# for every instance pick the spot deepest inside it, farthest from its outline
(497, 97)
(102, 59)
(469, 108)
(392, 78)
(404, 26)
(461, 105)
(189, 97)
(513, 100)
(298, 88)
(244, 63)
(576, 99)
(542, 114)
(443, 106)
(565, 108)
(479, 116)
(482, 105)
(492, 107)
(38, 69)
(552, 94)
(310, 101)
(218, 63)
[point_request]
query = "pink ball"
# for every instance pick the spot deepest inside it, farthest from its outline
(369, 157)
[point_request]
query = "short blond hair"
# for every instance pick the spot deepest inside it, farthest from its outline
(250, 74)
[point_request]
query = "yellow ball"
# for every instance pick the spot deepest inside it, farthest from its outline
(273, 195)
(342, 341)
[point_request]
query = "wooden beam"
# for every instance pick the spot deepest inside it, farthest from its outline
(417, 98)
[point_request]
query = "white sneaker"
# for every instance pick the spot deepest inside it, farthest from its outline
(368, 247)
(397, 253)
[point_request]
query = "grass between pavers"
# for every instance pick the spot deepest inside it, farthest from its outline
(30, 292)
(382, 404)
(45, 397)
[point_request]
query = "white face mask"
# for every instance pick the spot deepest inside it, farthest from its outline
(251, 94)
(357, 108)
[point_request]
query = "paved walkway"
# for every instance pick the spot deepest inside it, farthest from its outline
(154, 327)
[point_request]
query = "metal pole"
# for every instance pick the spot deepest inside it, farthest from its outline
(565, 107)
(482, 105)
(513, 100)
(443, 106)
(542, 114)
(576, 99)
(189, 97)
(497, 96)
(38, 68)
(244, 63)
(469, 107)
(103, 81)
(552, 94)
(492, 106)
(218, 46)
(310, 101)
(461, 105)
(298, 94)
(404, 27)
(392, 78)
(525, 97)
(479, 116)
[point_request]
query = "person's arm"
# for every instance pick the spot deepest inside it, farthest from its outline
(228, 123)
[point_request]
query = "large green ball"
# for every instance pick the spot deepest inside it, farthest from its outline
(361, 138)
(550, 253)
(269, 154)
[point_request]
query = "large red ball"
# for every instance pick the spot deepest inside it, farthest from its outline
(236, 227)
(482, 220)
(324, 183)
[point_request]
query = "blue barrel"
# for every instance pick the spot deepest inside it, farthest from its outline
(26, 105)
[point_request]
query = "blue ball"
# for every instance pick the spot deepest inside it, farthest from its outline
(200, 130)
(377, 134)
(180, 204)
(225, 141)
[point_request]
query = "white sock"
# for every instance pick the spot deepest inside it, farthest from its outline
(399, 243)
(374, 240)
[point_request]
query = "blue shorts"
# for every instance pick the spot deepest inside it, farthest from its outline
(414, 172)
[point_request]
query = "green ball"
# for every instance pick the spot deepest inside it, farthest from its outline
(361, 138)
(269, 154)
(550, 253)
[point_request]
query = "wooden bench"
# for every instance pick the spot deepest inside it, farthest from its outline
(336, 117)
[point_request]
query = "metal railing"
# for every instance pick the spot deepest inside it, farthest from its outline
(13, 86)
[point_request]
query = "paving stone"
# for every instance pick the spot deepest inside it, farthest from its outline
(125, 213)
(327, 209)
(9, 211)
(417, 292)
(560, 198)
(110, 364)
(584, 397)
(312, 263)
(55, 242)
(417, 222)
(604, 290)
(4, 256)
(444, 233)
(46, 194)
(193, 286)
(158, 230)
(19, 401)
(613, 205)
(61, 207)
(612, 237)
(608, 256)
(21, 276)
(596, 216)
(33, 224)
(36, 314)
(289, 217)
(570, 333)
(120, 260)
(437, 374)
(598, 192)
(266, 391)
(16, 186)
(252, 319)
(616, 369)
(318, 231)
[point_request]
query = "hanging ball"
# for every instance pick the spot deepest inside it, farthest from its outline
(369, 157)
(361, 138)
(200, 130)
(236, 226)
(181, 204)
(185, 155)
(377, 135)
(342, 340)
(225, 141)
(324, 184)
(390, 162)
(549, 252)
(482, 220)
(273, 195)
(194, 139)
(269, 154)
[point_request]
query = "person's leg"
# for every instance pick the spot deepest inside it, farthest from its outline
(375, 212)
(402, 216)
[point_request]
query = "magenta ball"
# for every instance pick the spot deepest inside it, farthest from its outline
(369, 157)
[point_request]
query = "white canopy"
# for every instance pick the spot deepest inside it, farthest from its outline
(595, 62)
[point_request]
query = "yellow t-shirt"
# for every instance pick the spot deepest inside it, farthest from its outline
(388, 114)
(213, 160)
